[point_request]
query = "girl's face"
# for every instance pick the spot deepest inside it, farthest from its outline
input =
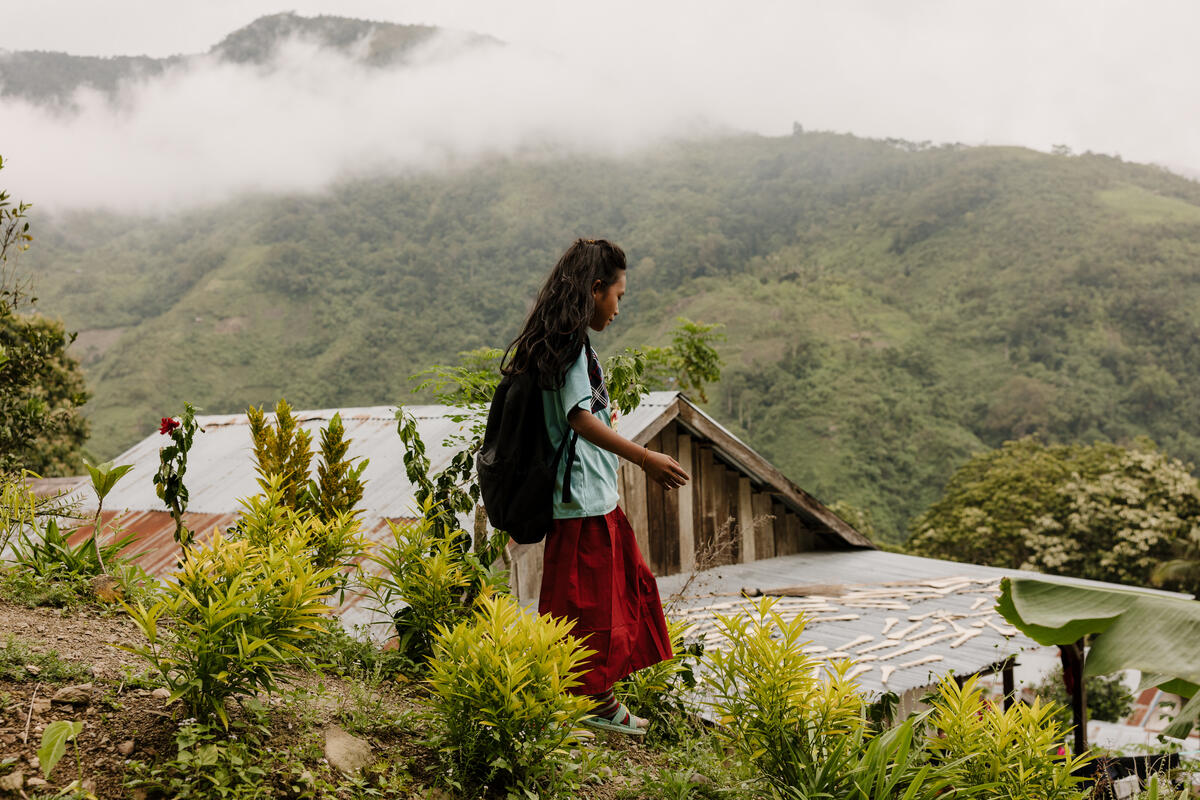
(607, 298)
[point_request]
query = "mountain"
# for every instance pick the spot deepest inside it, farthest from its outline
(53, 78)
(889, 308)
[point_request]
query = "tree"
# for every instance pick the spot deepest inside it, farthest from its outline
(1098, 511)
(41, 386)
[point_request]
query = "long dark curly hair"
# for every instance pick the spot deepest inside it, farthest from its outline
(557, 326)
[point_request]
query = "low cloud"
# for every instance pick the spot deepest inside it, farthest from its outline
(1114, 78)
(210, 129)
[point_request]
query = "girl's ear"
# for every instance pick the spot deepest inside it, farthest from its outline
(597, 286)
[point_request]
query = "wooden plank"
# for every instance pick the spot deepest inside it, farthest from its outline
(705, 478)
(655, 501)
(671, 513)
(729, 504)
(764, 531)
(687, 511)
(779, 524)
(746, 521)
(794, 530)
(635, 510)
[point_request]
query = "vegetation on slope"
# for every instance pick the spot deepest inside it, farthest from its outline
(889, 308)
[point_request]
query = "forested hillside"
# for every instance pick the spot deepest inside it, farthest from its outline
(889, 308)
(53, 78)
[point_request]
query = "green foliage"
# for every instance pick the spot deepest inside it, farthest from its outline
(427, 580)
(15, 655)
(1103, 512)
(794, 727)
(692, 354)
(282, 449)
(1127, 629)
(41, 387)
(238, 615)
(500, 682)
(14, 232)
(805, 732)
(54, 744)
(41, 392)
(210, 762)
(1107, 697)
(168, 481)
(660, 692)
(889, 309)
(331, 545)
(1016, 751)
(338, 487)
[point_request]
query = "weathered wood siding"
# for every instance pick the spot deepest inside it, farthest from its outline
(720, 517)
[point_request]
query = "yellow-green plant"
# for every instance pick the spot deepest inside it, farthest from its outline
(239, 613)
(795, 726)
(1016, 751)
(500, 682)
(426, 581)
(661, 692)
(336, 542)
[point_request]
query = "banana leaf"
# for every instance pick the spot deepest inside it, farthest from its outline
(1156, 634)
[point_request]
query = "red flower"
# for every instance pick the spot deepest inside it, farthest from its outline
(168, 424)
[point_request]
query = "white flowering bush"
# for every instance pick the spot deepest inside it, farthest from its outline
(1099, 511)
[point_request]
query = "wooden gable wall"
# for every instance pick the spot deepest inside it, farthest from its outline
(719, 517)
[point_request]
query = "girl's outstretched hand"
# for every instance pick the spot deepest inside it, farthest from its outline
(664, 469)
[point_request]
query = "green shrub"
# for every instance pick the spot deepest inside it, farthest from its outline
(1016, 751)
(333, 545)
(238, 614)
(794, 727)
(428, 580)
(661, 692)
(805, 732)
(506, 722)
(209, 763)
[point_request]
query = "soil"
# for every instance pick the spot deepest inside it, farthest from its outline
(126, 719)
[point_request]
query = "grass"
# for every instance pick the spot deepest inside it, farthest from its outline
(16, 657)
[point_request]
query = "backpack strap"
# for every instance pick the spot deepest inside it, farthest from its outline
(566, 493)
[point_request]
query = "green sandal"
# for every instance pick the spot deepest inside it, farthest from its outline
(622, 721)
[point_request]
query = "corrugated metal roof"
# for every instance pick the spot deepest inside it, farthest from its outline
(221, 462)
(913, 618)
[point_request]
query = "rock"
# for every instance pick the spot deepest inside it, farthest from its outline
(37, 783)
(89, 786)
(162, 693)
(78, 695)
(699, 780)
(345, 752)
(125, 748)
(41, 706)
(107, 589)
(32, 669)
(12, 782)
(138, 794)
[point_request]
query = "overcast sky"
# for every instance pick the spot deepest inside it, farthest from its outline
(1114, 77)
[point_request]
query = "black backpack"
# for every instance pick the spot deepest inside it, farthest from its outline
(517, 465)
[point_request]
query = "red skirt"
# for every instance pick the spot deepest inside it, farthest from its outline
(595, 576)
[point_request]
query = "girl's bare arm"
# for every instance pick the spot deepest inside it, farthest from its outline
(658, 466)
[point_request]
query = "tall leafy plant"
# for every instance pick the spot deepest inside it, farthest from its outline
(168, 481)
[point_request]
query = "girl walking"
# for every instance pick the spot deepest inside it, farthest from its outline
(593, 573)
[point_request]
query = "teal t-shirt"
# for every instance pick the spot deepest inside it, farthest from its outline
(594, 475)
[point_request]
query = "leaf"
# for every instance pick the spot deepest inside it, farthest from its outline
(54, 743)
(1155, 634)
